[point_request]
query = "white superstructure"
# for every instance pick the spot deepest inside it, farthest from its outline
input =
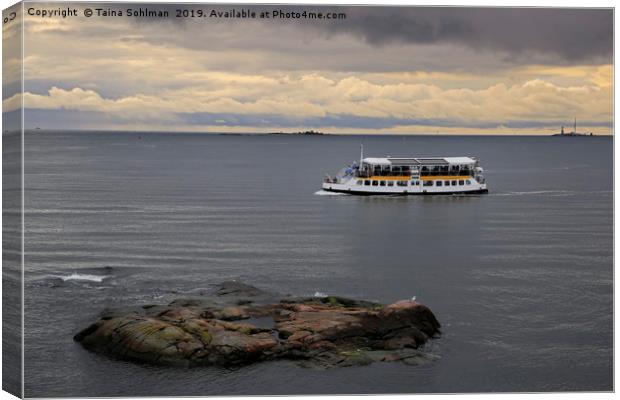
(409, 176)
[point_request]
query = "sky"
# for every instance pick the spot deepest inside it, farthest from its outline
(381, 70)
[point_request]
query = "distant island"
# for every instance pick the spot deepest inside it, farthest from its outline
(573, 133)
(310, 132)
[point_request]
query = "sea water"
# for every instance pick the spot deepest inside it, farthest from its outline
(521, 279)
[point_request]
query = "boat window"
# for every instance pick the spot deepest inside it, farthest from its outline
(428, 183)
(382, 183)
(468, 182)
(447, 183)
(367, 182)
(402, 183)
(439, 183)
(390, 183)
(359, 181)
(375, 183)
(461, 182)
(453, 183)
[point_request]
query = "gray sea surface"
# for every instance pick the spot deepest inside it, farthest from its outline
(521, 279)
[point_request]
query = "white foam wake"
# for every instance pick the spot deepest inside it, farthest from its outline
(327, 193)
(536, 192)
(83, 277)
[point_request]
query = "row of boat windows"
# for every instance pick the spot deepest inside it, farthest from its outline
(368, 182)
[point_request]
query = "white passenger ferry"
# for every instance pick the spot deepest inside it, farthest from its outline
(409, 176)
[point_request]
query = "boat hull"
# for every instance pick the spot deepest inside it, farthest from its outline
(397, 188)
(404, 193)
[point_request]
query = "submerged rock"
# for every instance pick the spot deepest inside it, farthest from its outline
(239, 324)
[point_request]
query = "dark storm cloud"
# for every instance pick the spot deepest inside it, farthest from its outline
(567, 34)
(518, 35)
(572, 34)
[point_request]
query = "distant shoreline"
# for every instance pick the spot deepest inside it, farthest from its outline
(308, 133)
(323, 134)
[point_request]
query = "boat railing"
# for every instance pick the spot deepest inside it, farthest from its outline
(447, 173)
(465, 172)
(368, 174)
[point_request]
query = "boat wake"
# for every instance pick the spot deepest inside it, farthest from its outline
(328, 193)
(541, 192)
(82, 277)
(533, 192)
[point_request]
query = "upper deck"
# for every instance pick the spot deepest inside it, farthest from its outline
(431, 166)
(420, 161)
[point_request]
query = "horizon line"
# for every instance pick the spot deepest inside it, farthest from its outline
(284, 133)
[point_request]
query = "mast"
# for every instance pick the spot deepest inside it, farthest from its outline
(575, 129)
(361, 154)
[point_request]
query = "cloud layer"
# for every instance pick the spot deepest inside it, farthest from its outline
(383, 69)
(567, 34)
